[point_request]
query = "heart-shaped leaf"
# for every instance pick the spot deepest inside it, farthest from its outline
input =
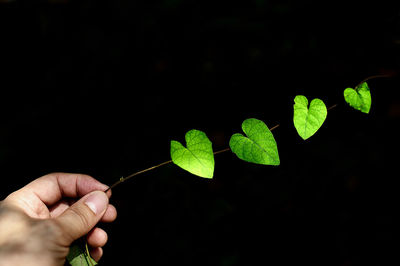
(258, 147)
(360, 98)
(198, 157)
(306, 120)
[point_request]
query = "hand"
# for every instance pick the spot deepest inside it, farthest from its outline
(39, 222)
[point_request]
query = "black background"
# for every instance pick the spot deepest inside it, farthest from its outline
(101, 87)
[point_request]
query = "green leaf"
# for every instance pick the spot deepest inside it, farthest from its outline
(306, 120)
(79, 254)
(198, 157)
(360, 98)
(258, 147)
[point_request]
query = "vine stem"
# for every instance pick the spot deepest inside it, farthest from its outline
(123, 179)
(373, 77)
(333, 106)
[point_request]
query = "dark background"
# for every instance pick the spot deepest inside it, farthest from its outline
(101, 87)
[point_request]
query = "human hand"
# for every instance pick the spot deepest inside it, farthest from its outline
(39, 222)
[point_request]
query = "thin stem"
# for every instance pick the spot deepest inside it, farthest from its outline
(373, 77)
(123, 179)
(221, 151)
(331, 107)
(274, 127)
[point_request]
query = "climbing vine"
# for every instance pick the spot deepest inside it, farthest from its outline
(257, 145)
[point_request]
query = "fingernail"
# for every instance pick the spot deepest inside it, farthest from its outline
(97, 202)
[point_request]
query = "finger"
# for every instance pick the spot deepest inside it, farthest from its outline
(96, 253)
(110, 215)
(82, 216)
(97, 237)
(57, 209)
(53, 187)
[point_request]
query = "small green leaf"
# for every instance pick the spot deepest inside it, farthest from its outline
(258, 147)
(360, 98)
(198, 157)
(79, 254)
(306, 120)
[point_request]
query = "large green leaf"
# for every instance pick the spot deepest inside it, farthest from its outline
(258, 147)
(197, 157)
(360, 98)
(79, 254)
(306, 120)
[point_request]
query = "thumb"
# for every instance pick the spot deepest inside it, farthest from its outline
(82, 216)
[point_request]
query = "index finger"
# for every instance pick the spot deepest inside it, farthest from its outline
(53, 187)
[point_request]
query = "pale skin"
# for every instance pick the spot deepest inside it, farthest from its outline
(39, 222)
